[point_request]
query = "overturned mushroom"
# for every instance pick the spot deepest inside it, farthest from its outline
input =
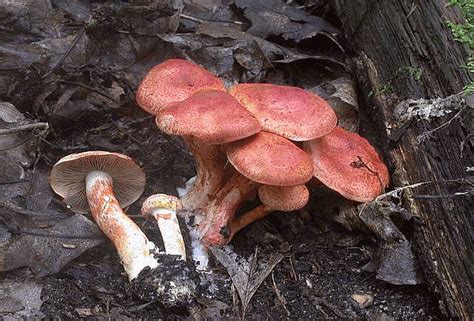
(163, 208)
(106, 182)
(348, 164)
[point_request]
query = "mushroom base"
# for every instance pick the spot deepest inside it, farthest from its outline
(174, 283)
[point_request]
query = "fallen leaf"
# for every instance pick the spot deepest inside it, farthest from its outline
(341, 95)
(246, 275)
(253, 53)
(394, 261)
(41, 249)
(20, 300)
(275, 17)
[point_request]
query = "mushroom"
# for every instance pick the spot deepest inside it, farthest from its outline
(347, 163)
(172, 81)
(270, 159)
(264, 158)
(273, 198)
(287, 111)
(163, 208)
(106, 182)
(207, 119)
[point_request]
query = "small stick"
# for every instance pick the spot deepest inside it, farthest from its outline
(88, 88)
(66, 54)
(185, 16)
(280, 297)
(23, 128)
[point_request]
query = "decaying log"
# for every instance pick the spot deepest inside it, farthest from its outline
(405, 59)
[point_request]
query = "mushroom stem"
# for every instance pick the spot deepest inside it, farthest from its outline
(131, 243)
(248, 218)
(170, 232)
(273, 198)
(210, 164)
(220, 212)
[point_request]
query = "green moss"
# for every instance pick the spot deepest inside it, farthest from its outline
(382, 90)
(464, 33)
(411, 72)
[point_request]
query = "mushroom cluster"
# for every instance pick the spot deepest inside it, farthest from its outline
(255, 139)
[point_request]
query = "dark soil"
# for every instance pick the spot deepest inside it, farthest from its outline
(315, 280)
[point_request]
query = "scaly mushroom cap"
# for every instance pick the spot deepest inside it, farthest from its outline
(68, 177)
(160, 201)
(284, 198)
(270, 159)
(172, 81)
(287, 111)
(348, 164)
(211, 116)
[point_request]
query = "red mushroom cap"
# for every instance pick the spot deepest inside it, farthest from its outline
(287, 111)
(284, 198)
(270, 159)
(172, 81)
(211, 116)
(348, 164)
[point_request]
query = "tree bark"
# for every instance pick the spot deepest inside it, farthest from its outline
(403, 50)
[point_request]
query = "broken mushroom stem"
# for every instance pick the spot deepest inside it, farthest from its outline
(163, 209)
(131, 243)
(219, 213)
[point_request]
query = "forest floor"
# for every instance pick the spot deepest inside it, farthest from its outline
(75, 65)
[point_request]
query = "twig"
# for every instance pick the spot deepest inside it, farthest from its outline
(24, 128)
(185, 16)
(412, 9)
(360, 163)
(422, 196)
(295, 276)
(88, 88)
(140, 307)
(65, 148)
(280, 296)
(334, 309)
(59, 236)
(67, 53)
(397, 190)
(18, 144)
(19, 210)
(402, 188)
(365, 279)
(421, 138)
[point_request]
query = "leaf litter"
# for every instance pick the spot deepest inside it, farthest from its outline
(69, 69)
(247, 275)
